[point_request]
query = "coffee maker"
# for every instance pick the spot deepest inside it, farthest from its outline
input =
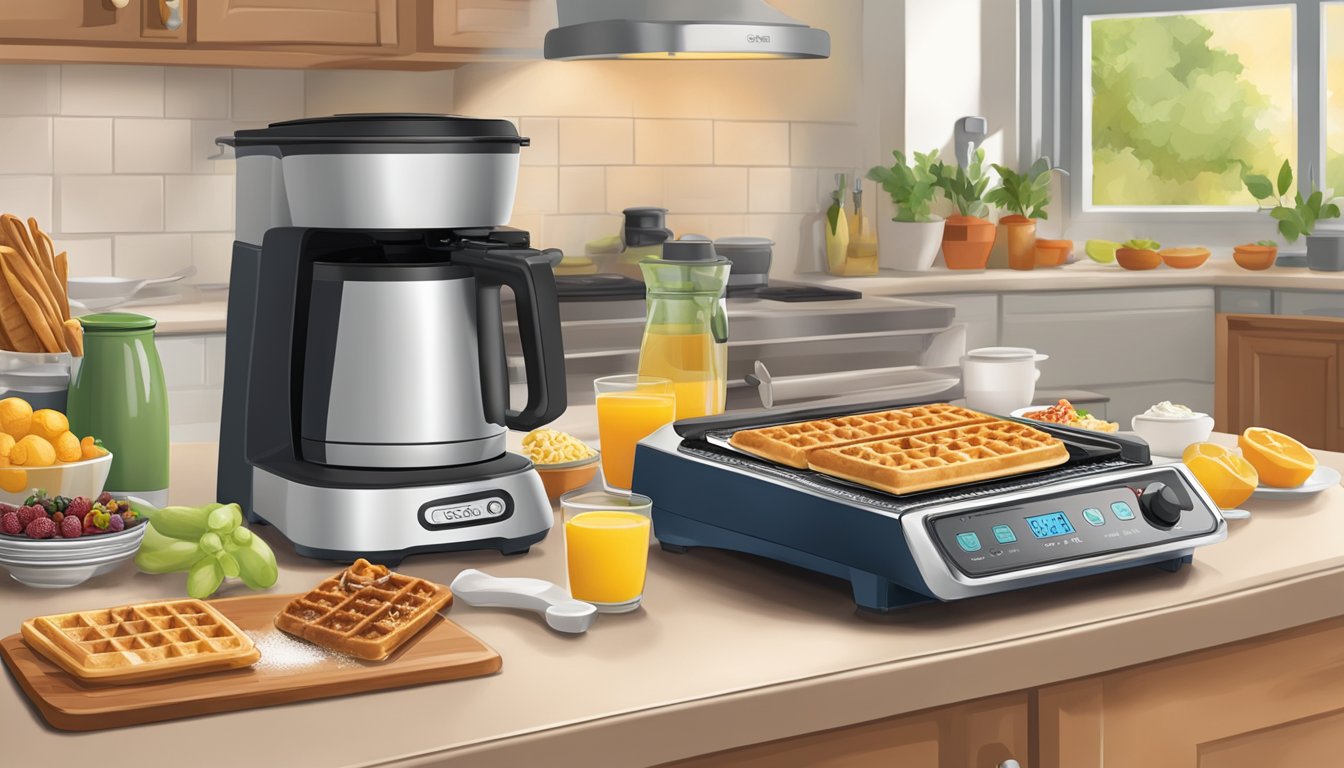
(366, 391)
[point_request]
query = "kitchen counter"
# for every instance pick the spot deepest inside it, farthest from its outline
(727, 651)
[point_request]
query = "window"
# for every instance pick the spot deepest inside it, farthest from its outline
(1334, 95)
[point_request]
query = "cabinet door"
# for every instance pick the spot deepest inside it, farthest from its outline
(1284, 374)
(355, 23)
(1276, 701)
(492, 23)
(979, 734)
(68, 20)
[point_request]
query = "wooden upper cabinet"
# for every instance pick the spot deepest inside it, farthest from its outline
(82, 21)
(480, 24)
(349, 23)
(1283, 373)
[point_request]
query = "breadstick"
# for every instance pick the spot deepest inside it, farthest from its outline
(18, 317)
(30, 277)
(74, 337)
(47, 268)
(63, 273)
(26, 265)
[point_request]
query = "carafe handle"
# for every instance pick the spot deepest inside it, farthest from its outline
(529, 275)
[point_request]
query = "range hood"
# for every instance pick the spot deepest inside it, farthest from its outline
(681, 29)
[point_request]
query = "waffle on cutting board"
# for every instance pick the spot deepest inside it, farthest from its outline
(907, 450)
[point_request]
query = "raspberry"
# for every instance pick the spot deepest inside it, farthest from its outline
(9, 523)
(116, 524)
(78, 507)
(41, 528)
(28, 515)
(71, 528)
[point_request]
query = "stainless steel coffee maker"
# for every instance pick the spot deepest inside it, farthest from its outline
(366, 391)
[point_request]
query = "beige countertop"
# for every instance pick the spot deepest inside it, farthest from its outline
(727, 651)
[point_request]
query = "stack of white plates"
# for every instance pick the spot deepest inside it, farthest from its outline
(58, 563)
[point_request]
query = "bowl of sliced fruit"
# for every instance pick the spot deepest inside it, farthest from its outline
(1065, 414)
(38, 450)
(59, 541)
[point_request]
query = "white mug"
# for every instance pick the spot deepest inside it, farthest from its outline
(1000, 380)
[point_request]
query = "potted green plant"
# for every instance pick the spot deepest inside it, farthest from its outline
(968, 236)
(1325, 252)
(910, 240)
(1024, 196)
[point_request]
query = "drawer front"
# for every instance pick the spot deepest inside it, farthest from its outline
(1246, 301)
(1092, 302)
(1310, 303)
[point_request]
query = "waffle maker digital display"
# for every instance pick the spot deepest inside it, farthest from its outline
(1107, 508)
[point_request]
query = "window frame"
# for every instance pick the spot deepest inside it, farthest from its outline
(1053, 116)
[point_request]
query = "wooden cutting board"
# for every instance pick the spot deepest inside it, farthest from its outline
(442, 651)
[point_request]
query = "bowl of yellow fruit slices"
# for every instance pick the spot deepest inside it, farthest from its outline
(38, 450)
(564, 462)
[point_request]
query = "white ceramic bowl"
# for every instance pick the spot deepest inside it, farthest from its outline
(71, 549)
(1170, 437)
(61, 575)
(78, 478)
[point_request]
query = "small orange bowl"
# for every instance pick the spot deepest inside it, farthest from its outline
(1138, 258)
(1184, 258)
(559, 479)
(1255, 257)
(1053, 253)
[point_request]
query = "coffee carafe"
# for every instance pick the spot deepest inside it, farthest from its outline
(686, 325)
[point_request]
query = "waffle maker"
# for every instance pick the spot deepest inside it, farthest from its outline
(1107, 508)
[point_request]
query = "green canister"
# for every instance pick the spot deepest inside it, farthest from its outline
(118, 396)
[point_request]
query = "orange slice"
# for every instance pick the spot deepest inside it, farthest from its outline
(1228, 478)
(1281, 461)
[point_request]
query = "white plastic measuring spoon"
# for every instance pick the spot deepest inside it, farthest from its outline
(1236, 514)
(562, 612)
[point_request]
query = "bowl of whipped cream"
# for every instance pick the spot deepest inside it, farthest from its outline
(1169, 428)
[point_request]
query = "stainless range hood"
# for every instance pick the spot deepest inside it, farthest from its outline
(673, 30)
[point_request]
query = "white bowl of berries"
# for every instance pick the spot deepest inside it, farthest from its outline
(56, 542)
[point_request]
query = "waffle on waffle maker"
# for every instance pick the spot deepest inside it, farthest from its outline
(1107, 508)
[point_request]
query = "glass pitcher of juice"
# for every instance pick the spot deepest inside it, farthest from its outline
(686, 330)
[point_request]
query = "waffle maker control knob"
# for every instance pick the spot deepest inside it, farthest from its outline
(1161, 505)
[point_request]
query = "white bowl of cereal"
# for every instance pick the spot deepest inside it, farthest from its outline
(1169, 428)
(564, 462)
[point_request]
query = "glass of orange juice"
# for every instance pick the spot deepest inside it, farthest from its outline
(607, 548)
(629, 409)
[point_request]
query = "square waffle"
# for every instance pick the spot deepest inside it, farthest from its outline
(792, 444)
(939, 459)
(136, 643)
(365, 611)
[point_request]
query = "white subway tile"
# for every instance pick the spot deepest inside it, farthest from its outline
(195, 406)
(529, 222)
(571, 233)
(824, 145)
(104, 90)
(583, 189)
(545, 135)
(28, 196)
(706, 190)
(596, 141)
(783, 190)
(739, 143)
(336, 91)
(797, 241)
(212, 253)
(30, 89)
(537, 190)
(711, 225)
(203, 146)
(111, 204)
(635, 185)
(198, 203)
(146, 256)
(183, 359)
(674, 142)
(202, 92)
(151, 146)
(83, 144)
(214, 360)
(89, 256)
(25, 144)
(267, 94)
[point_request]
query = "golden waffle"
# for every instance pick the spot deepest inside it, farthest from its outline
(365, 611)
(938, 459)
(791, 444)
(135, 643)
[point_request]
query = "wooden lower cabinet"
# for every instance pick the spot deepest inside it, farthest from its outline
(978, 734)
(1274, 702)
(1284, 373)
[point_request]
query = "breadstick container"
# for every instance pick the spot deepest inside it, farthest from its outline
(41, 378)
(118, 395)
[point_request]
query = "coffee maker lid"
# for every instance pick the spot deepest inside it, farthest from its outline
(410, 132)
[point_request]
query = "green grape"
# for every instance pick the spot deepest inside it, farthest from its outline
(204, 578)
(242, 537)
(228, 563)
(211, 543)
(163, 554)
(256, 564)
(225, 519)
(186, 523)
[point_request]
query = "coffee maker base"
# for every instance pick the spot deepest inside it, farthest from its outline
(508, 513)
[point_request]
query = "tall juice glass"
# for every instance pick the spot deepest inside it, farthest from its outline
(686, 326)
(629, 409)
(607, 547)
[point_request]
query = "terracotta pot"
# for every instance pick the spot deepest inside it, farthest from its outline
(1184, 258)
(967, 241)
(1019, 235)
(1053, 253)
(1257, 257)
(1138, 258)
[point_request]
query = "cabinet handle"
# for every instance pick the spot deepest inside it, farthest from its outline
(1010, 764)
(170, 12)
(120, 4)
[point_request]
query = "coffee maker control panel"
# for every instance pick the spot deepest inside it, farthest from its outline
(463, 511)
